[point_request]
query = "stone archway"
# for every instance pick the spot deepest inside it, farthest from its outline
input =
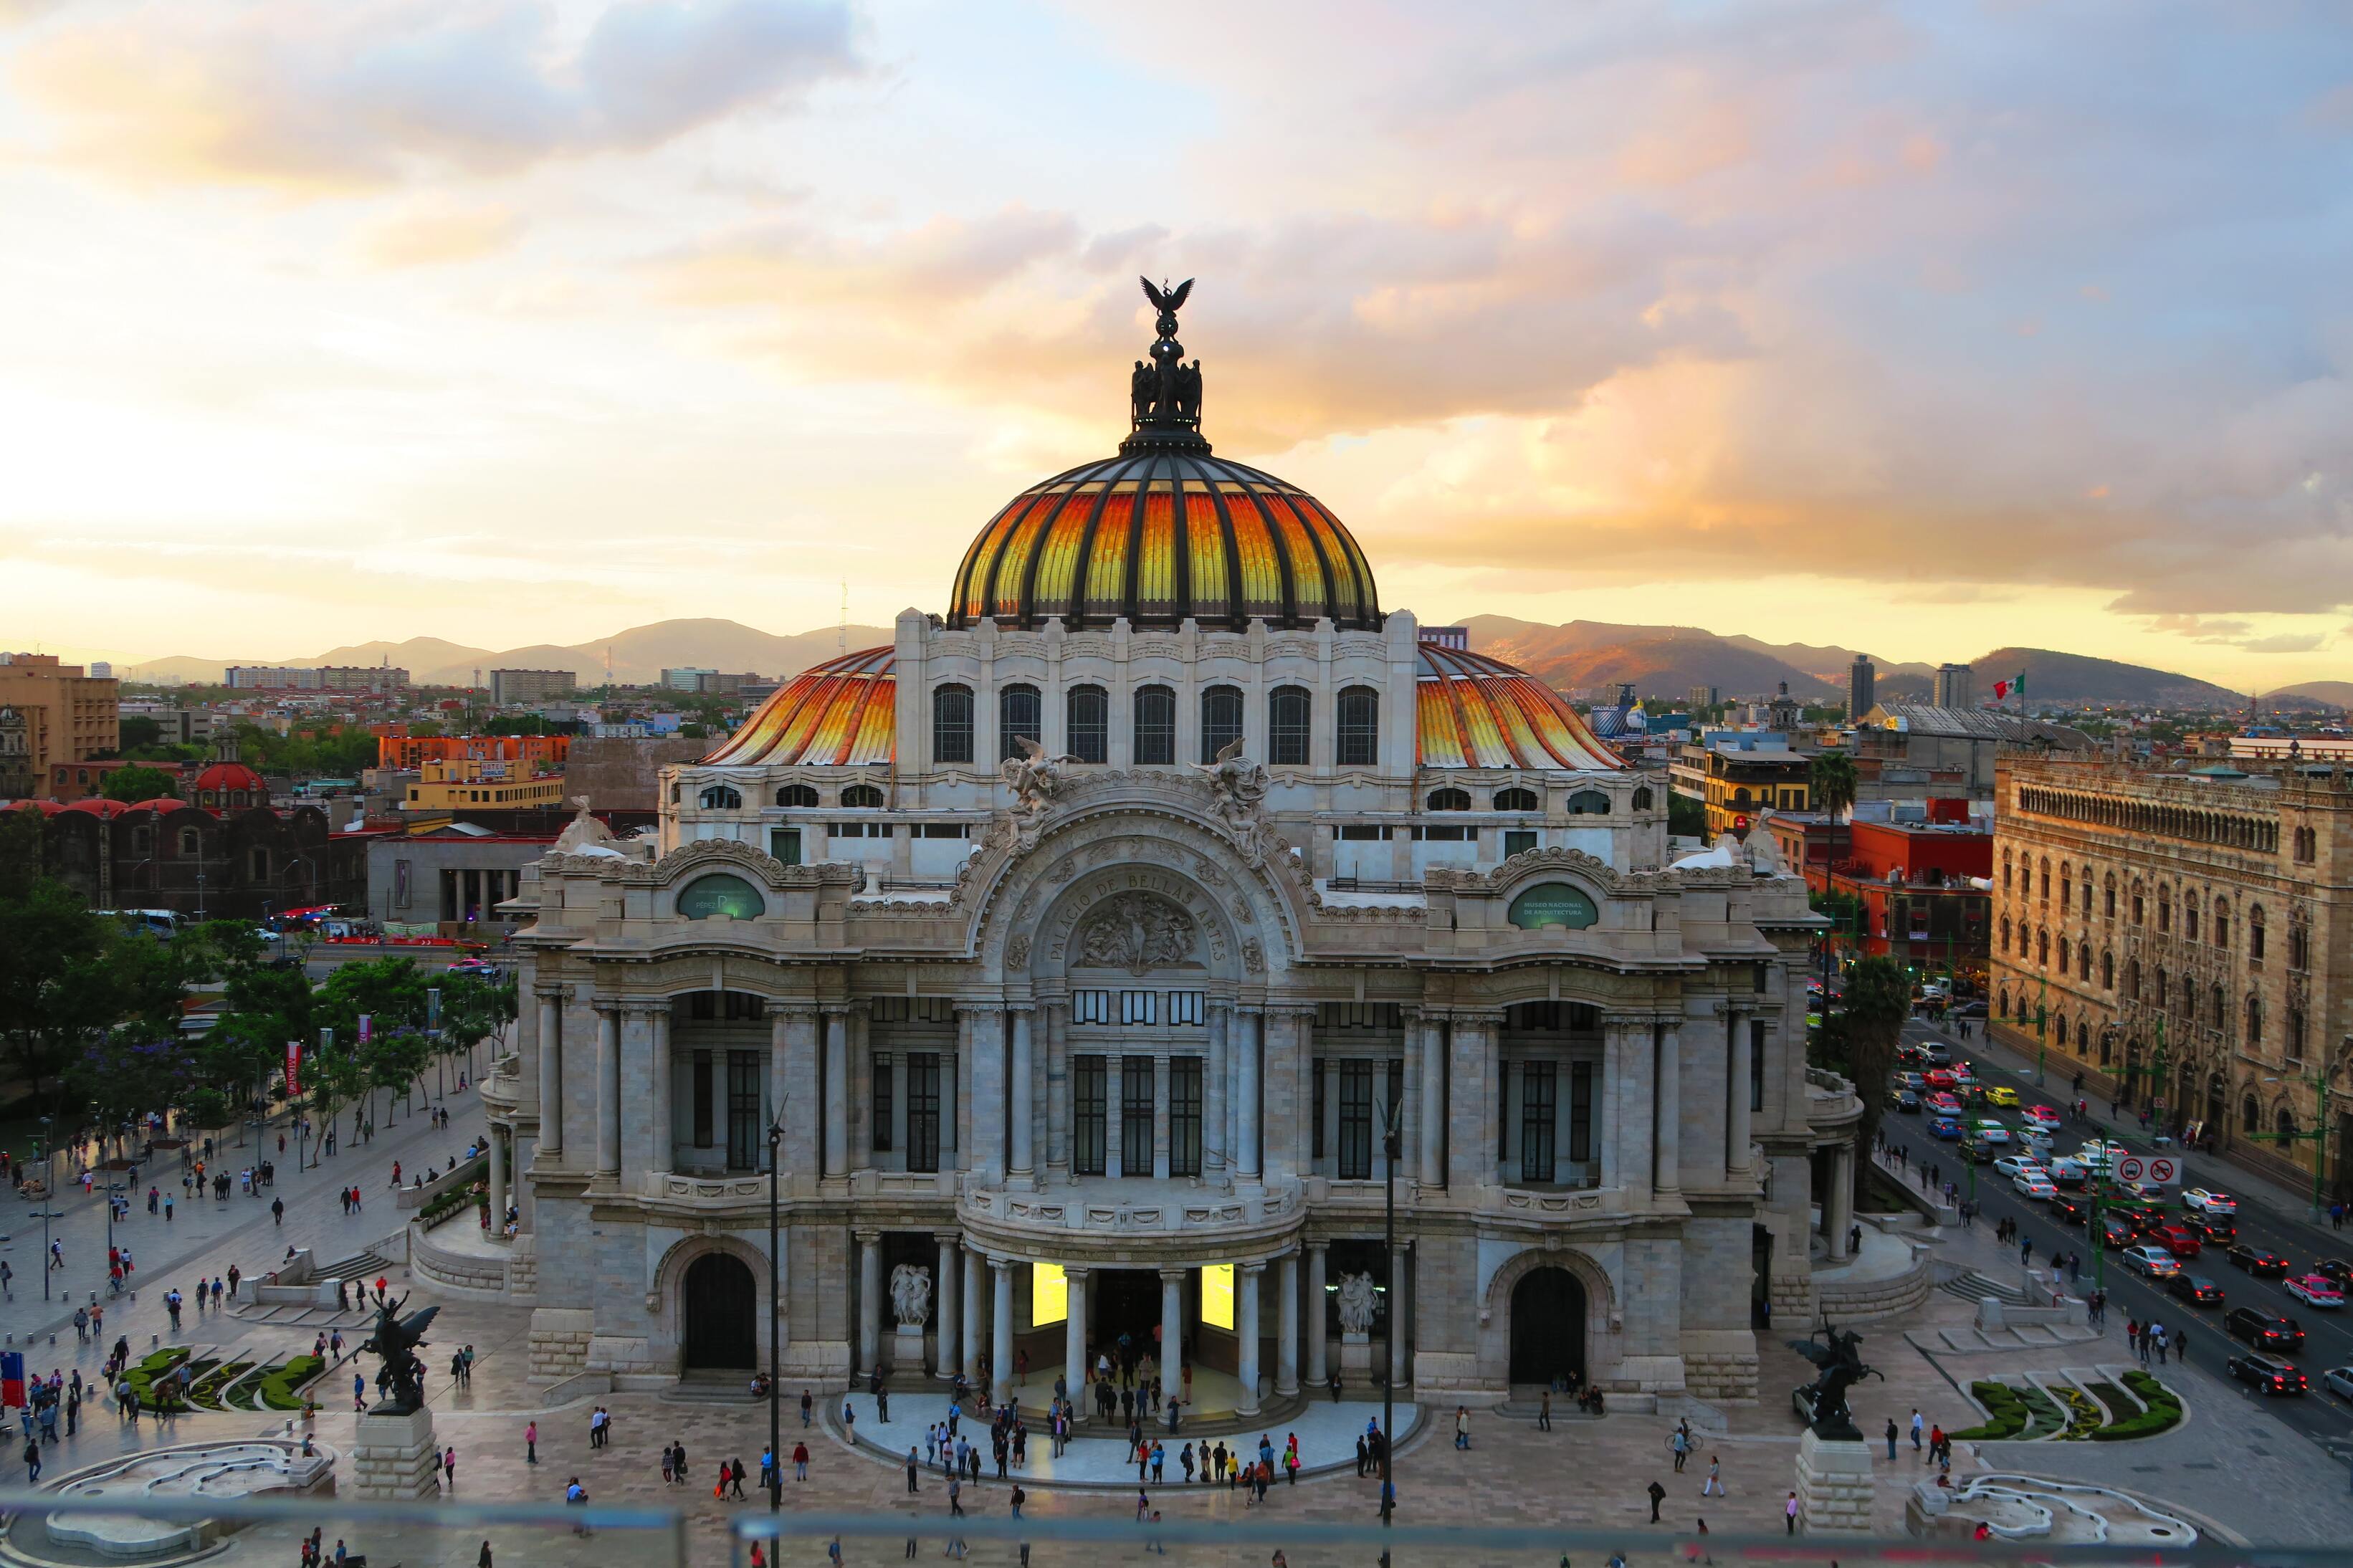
(1600, 1342)
(1547, 1330)
(721, 1313)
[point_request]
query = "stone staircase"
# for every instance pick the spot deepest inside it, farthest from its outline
(1972, 1287)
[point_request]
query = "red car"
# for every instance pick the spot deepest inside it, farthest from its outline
(2179, 1240)
(1942, 1077)
(1944, 1105)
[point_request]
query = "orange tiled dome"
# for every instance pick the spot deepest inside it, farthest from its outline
(1160, 536)
(841, 712)
(1473, 712)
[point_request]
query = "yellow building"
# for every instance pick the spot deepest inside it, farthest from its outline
(478, 784)
(1737, 774)
(70, 715)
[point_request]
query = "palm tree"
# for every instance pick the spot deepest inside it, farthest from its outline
(1878, 1000)
(1832, 777)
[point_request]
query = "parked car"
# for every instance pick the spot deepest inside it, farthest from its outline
(2268, 1373)
(2196, 1288)
(2001, 1094)
(2203, 1200)
(2011, 1165)
(2257, 1260)
(2265, 1330)
(2153, 1261)
(2316, 1290)
(2177, 1239)
(2034, 1184)
(2338, 1380)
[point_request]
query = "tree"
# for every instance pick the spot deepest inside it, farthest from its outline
(1878, 999)
(1833, 780)
(1686, 816)
(140, 783)
(138, 732)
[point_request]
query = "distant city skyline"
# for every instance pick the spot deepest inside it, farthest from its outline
(1914, 330)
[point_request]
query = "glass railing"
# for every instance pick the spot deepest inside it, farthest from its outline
(1073, 1531)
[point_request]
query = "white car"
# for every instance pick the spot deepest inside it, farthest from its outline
(2315, 1290)
(2338, 1379)
(2101, 1158)
(2034, 1184)
(2153, 1261)
(2199, 1200)
(2069, 1171)
(2016, 1165)
(1990, 1131)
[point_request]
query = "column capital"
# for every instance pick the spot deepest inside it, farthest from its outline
(1023, 1008)
(1253, 1269)
(784, 1007)
(835, 1009)
(1002, 1264)
(1174, 1276)
(1405, 1244)
(866, 1238)
(1076, 1273)
(1316, 1247)
(549, 993)
(948, 1237)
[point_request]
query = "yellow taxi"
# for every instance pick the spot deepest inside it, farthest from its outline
(2001, 1094)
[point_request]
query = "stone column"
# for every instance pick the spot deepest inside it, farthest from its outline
(869, 1300)
(550, 1074)
(1398, 1313)
(1605, 1102)
(1019, 1166)
(944, 1313)
(1736, 1112)
(1473, 1119)
(1000, 1352)
(1074, 1342)
(1058, 1090)
(1214, 1141)
(1115, 1154)
(836, 1154)
(1246, 1282)
(1286, 1336)
(501, 1140)
(664, 1156)
(1160, 1076)
(988, 1079)
(1319, 1353)
(962, 1118)
(1172, 1334)
(1433, 1101)
(1838, 1202)
(1668, 1140)
(608, 1088)
(1245, 1133)
(976, 1305)
(779, 1085)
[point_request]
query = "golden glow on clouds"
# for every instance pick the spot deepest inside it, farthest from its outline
(526, 321)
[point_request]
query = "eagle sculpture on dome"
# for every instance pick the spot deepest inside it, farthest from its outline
(1167, 302)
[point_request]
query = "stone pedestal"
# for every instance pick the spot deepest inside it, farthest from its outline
(394, 1456)
(906, 1348)
(1834, 1490)
(1356, 1354)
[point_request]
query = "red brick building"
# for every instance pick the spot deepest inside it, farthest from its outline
(1923, 888)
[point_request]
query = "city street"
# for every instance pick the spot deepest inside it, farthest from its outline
(2266, 1217)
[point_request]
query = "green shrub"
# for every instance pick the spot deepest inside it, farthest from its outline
(2006, 1414)
(281, 1388)
(2162, 1410)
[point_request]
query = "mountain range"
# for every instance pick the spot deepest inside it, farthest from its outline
(1661, 661)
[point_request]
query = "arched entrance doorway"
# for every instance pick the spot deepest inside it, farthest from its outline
(1547, 1326)
(721, 1314)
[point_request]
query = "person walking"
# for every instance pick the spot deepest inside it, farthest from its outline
(1544, 1412)
(1891, 1439)
(800, 1466)
(1789, 1514)
(955, 1496)
(531, 1444)
(449, 1470)
(1658, 1495)
(1918, 1427)
(2182, 1346)
(1462, 1428)
(1713, 1485)
(1679, 1441)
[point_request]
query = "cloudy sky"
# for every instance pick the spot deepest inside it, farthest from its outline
(1919, 327)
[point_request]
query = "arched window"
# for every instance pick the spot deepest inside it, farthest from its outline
(2284, 1124)
(1155, 725)
(2254, 1021)
(2139, 910)
(1289, 713)
(2220, 1004)
(802, 797)
(1740, 797)
(1516, 800)
(2255, 932)
(1086, 715)
(2162, 988)
(2294, 1041)
(722, 797)
(2164, 909)
(2249, 1116)
(2109, 896)
(189, 843)
(2044, 895)
(862, 797)
(1449, 800)
(1588, 803)
(951, 724)
(2221, 923)
(1020, 716)
(2063, 955)
(257, 865)
(2066, 886)
(2083, 1037)
(2299, 944)
(2190, 917)
(1643, 798)
(2005, 870)
(2002, 1006)
(1222, 719)
(2132, 978)
(720, 894)
(1360, 727)
(2107, 972)
(2083, 961)
(2042, 948)
(2005, 934)
(2087, 892)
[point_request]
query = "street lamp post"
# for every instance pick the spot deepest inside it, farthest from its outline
(775, 1360)
(432, 1033)
(1393, 1152)
(48, 1198)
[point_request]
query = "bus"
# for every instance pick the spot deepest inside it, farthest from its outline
(160, 925)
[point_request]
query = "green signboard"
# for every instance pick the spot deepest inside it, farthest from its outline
(1554, 904)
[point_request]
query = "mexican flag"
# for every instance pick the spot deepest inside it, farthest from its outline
(2015, 686)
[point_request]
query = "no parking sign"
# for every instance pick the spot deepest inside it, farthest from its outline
(2156, 1170)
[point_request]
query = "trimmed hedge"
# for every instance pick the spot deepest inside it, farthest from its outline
(281, 1388)
(2006, 1414)
(2162, 1411)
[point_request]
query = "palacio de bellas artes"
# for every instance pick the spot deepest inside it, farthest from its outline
(1077, 946)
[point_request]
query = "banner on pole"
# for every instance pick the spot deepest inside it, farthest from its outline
(12, 1380)
(293, 1068)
